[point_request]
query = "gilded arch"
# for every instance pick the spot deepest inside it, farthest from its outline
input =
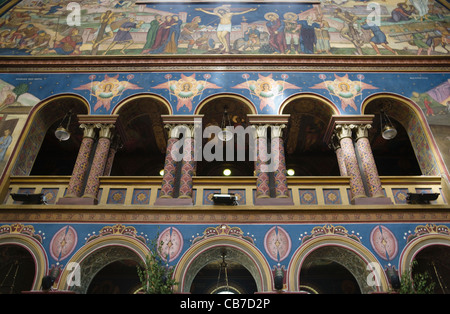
(412, 118)
(251, 108)
(144, 96)
(191, 261)
(415, 246)
(35, 249)
(350, 249)
(334, 110)
(98, 253)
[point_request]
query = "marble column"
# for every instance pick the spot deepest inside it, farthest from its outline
(188, 167)
(168, 181)
(262, 177)
(112, 153)
(99, 162)
(336, 146)
(344, 135)
(76, 183)
(368, 165)
(277, 151)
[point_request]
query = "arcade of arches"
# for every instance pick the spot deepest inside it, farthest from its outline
(140, 142)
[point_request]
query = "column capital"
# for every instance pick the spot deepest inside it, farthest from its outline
(362, 131)
(345, 120)
(260, 130)
(88, 130)
(105, 130)
(277, 130)
(175, 122)
(344, 131)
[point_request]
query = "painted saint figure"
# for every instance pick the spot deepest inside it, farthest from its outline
(275, 26)
(224, 27)
(123, 35)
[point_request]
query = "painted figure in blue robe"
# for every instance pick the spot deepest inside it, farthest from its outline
(308, 35)
(379, 38)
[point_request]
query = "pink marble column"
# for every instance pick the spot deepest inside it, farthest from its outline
(339, 155)
(99, 162)
(76, 183)
(168, 181)
(344, 134)
(187, 169)
(369, 167)
(110, 160)
(277, 148)
(262, 177)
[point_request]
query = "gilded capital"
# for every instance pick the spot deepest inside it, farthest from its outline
(362, 131)
(277, 130)
(88, 130)
(105, 130)
(344, 131)
(260, 130)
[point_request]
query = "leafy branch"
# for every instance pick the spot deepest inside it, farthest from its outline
(156, 277)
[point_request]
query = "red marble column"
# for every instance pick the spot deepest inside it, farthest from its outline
(76, 183)
(262, 177)
(277, 151)
(344, 134)
(368, 165)
(168, 181)
(339, 155)
(110, 160)
(99, 162)
(187, 169)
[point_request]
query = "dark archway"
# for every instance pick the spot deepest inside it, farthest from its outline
(142, 150)
(213, 111)
(395, 157)
(215, 278)
(17, 269)
(42, 153)
(119, 277)
(306, 152)
(433, 260)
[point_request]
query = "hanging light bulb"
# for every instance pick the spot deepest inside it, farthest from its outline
(388, 131)
(62, 133)
(225, 135)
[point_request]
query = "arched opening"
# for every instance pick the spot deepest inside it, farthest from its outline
(225, 272)
(237, 110)
(17, 269)
(42, 153)
(433, 260)
(142, 151)
(306, 152)
(207, 252)
(322, 273)
(119, 277)
(396, 156)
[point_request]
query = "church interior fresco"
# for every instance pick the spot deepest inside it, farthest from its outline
(140, 28)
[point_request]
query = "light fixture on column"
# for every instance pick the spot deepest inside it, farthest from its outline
(225, 135)
(290, 172)
(388, 131)
(62, 132)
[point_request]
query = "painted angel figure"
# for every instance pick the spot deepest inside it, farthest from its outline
(107, 89)
(266, 88)
(345, 89)
(186, 88)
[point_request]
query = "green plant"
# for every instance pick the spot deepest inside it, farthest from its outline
(156, 277)
(419, 283)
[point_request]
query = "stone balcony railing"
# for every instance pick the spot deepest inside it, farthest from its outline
(304, 191)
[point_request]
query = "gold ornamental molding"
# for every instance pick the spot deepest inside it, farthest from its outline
(11, 64)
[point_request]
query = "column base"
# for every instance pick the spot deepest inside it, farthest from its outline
(269, 201)
(174, 202)
(77, 201)
(372, 201)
